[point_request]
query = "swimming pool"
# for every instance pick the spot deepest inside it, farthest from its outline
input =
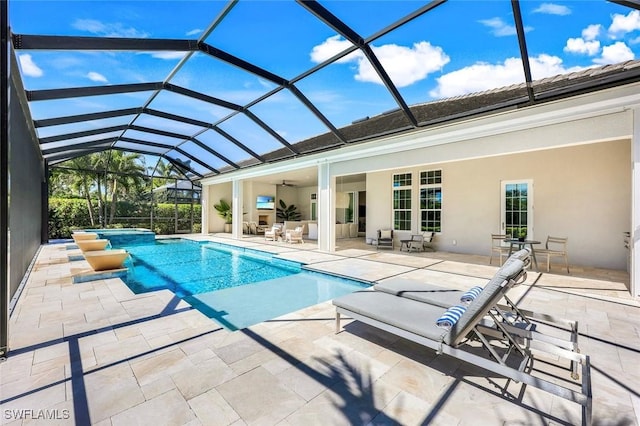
(234, 286)
(125, 236)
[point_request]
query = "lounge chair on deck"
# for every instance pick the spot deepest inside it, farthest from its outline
(526, 325)
(417, 321)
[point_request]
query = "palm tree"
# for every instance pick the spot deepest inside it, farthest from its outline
(166, 169)
(163, 172)
(80, 179)
(127, 173)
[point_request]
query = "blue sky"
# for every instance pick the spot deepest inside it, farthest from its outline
(458, 48)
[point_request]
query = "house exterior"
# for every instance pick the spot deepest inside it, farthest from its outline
(179, 191)
(577, 158)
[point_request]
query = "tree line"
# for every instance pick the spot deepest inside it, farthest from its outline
(105, 179)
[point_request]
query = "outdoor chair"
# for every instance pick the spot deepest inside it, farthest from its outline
(295, 235)
(456, 332)
(427, 241)
(256, 229)
(274, 233)
(498, 248)
(245, 228)
(555, 246)
(385, 238)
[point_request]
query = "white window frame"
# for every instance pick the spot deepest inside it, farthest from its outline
(408, 199)
(530, 204)
(426, 187)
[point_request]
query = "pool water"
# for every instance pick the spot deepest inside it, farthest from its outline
(235, 287)
(126, 236)
(187, 267)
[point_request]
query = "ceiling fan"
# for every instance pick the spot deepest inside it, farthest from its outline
(284, 183)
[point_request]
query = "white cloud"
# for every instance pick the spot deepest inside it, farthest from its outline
(553, 9)
(405, 65)
(622, 24)
(483, 76)
(501, 28)
(615, 53)
(591, 32)
(95, 76)
(194, 32)
(332, 46)
(116, 29)
(29, 67)
(578, 45)
(168, 55)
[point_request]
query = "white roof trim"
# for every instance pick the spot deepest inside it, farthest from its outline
(595, 104)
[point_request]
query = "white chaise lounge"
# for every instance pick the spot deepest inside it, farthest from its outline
(416, 321)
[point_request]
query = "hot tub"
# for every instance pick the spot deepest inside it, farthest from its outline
(126, 236)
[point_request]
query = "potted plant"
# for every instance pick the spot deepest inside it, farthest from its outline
(523, 234)
(224, 211)
(289, 212)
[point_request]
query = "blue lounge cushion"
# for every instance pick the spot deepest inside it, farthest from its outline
(450, 317)
(471, 294)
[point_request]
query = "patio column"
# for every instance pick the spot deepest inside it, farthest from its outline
(204, 209)
(634, 243)
(326, 208)
(236, 208)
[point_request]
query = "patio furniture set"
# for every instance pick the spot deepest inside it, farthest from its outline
(278, 233)
(503, 245)
(416, 242)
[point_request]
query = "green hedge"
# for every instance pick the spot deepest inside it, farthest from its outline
(67, 214)
(164, 218)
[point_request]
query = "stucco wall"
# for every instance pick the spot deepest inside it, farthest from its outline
(580, 192)
(215, 194)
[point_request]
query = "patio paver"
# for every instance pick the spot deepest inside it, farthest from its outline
(99, 354)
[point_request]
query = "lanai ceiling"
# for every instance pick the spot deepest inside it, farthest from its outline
(303, 77)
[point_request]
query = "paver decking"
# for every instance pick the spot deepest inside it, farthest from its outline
(95, 353)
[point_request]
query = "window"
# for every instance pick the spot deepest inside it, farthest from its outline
(517, 208)
(402, 202)
(314, 206)
(431, 201)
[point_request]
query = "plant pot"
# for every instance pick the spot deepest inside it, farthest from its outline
(227, 227)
